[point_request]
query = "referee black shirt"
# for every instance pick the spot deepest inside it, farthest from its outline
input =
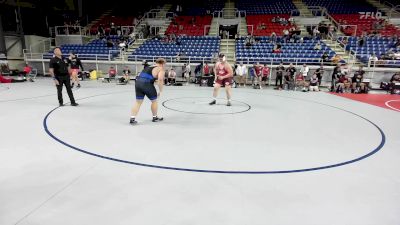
(60, 67)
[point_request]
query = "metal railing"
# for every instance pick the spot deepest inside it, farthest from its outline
(153, 13)
(320, 11)
(52, 31)
(384, 63)
(394, 9)
(221, 13)
(347, 25)
(71, 30)
(285, 60)
(172, 59)
(44, 45)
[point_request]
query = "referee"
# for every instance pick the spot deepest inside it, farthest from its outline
(58, 69)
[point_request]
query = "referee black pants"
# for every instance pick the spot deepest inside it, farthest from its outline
(64, 81)
(278, 78)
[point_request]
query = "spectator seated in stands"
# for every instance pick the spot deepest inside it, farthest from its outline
(277, 49)
(171, 77)
(294, 38)
(344, 84)
(314, 83)
(283, 21)
(122, 45)
(110, 44)
(362, 40)
(273, 38)
(336, 59)
(261, 26)
(317, 46)
(316, 33)
(325, 57)
(291, 21)
(373, 58)
(286, 36)
(345, 41)
(358, 85)
(275, 19)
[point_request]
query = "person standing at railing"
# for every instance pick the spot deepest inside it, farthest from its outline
(335, 76)
(58, 69)
(279, 74)
(186, 73)
(372, 59)
(304, 71)
(319, 73)
(75, 63)
(241, 71)
(265, 75)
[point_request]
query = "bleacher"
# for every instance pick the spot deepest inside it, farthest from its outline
(363, 25)
(257, 20)
(106, 21)
(188, 28)
(348, 13)
(343, 6)
(196, 48)
(373, 45)
(201, 8)
(262, 52)
(96, 49)
(255, 7)
(392, 3)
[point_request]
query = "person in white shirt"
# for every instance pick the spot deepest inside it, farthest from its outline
(315, 32)
(286, 35)
(241, 71)
(171, 76)
(304, 70)
(187, 73)
(345, 69)
(372, 59)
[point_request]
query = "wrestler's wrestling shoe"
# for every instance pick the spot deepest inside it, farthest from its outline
(213, 102)
(157, 119)
(132, 121)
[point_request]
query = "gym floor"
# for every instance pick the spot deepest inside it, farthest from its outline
(274, 157)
